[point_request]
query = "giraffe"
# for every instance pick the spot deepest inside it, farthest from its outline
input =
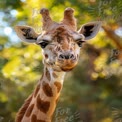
(61, 44)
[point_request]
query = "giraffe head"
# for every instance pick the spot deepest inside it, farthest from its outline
(60, 42)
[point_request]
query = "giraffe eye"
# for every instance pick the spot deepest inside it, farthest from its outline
(44, 43)
(79, 42)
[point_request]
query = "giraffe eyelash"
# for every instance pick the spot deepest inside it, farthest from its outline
(79, 42)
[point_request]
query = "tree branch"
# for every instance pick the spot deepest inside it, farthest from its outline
(111, 34)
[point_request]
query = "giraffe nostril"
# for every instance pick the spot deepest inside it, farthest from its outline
(71, 56)
(61, 56)
(66, 56)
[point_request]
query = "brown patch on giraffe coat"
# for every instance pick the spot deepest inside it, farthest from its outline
(29, 110)
(43, 106)
(34, 119)
(46, 55)
(48, 75)
(47, 90)
(58, 85)
(37, 89)
(23, 109)
(54, 75)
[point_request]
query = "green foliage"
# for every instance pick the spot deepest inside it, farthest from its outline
(93, 89)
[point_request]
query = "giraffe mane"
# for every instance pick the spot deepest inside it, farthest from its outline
(23, 109)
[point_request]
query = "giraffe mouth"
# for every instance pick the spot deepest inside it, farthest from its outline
(68, 66)
(67, 69)
(65, 65)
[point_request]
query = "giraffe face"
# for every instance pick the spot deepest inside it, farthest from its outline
(60, 42)
(61, 47)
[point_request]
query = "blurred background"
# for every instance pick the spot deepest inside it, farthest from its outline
(92, 92)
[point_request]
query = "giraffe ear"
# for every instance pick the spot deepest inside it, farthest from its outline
(90, 29)
(26, 34)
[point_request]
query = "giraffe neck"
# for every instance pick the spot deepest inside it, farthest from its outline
(42, 103)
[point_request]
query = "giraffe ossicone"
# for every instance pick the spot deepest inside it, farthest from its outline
(61, 44)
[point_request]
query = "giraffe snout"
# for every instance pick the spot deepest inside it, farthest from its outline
(67, 61)
(66, 56)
